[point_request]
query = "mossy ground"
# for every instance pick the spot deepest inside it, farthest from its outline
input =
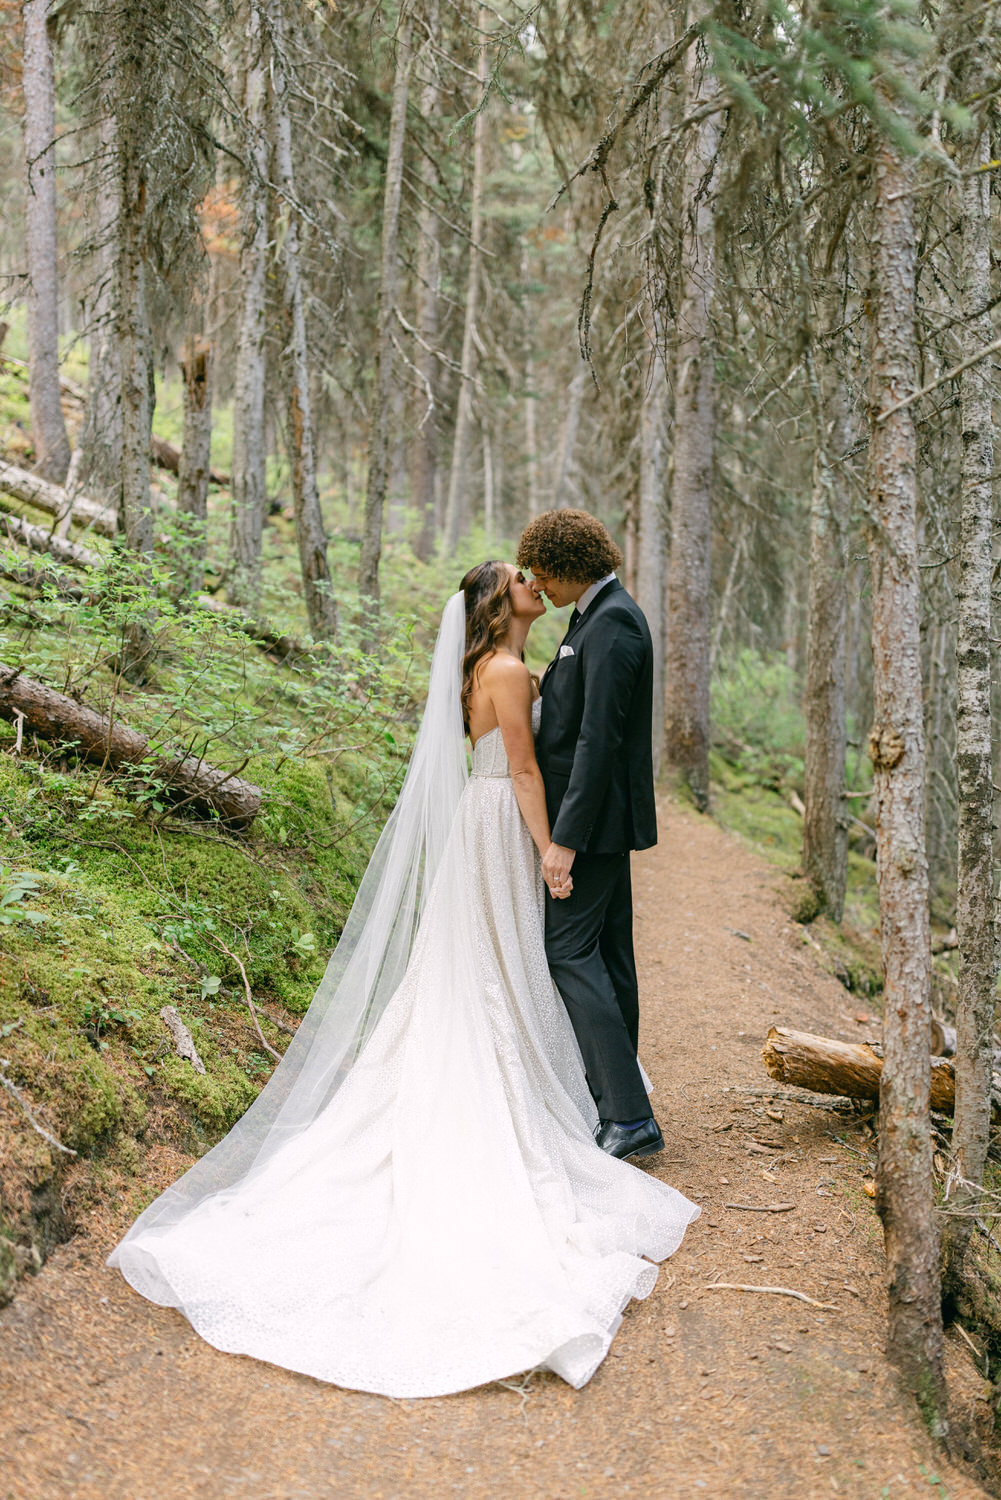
(120, 915)
(128, 908)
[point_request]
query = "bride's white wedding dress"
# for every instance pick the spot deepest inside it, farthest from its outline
(446, 1218)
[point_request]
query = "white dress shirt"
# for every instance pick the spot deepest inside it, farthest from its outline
(591, 592)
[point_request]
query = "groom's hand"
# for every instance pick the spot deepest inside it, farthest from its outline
(556, 863)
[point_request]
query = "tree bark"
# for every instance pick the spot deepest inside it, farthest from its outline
(896, 744)
(652, 560)
(425, 452)
(132, 330)
(686, 733)
(109, 743)
(562, 484)
(249, 493)
(529, 394)
(101, 439)
(383, 391)
(48, 427)
(825, 822)
(321, 606)
(457, 506)
(195, 464)
(975, 914)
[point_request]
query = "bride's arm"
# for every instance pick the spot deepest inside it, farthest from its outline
(510, 688)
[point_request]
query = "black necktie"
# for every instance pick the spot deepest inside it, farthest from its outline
(574, 617)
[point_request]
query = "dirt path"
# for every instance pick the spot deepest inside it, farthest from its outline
(716, 1394)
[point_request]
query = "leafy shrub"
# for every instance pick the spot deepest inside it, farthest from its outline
(757, 717)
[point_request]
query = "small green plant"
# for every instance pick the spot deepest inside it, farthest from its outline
(304, 943)
(757, 719)
(99, 1018)
(25, 884)
(935, 1482)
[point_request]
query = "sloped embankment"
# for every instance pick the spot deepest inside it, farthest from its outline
(105, 918)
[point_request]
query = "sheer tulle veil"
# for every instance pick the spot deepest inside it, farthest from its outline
(369, 961)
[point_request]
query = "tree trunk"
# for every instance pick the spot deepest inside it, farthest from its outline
(321, 606)
(531, 439)
(975, 925)
(686, 735)
(249, 439)
(531, 433)
(562, 483)
(101, 439)
(195, 466)
(383, 388)
(457, 506)
(825, 822)
(489, 496)
(652, 561)
(896, 746)
(135, 354)
(52, 448)
(425, 453)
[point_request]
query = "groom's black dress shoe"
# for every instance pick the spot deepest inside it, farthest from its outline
(643, 1140)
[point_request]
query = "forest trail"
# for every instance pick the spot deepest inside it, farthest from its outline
(716, 1394)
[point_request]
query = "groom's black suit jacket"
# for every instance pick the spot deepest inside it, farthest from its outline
(594, 745)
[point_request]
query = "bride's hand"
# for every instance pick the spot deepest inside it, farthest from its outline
(561, 892)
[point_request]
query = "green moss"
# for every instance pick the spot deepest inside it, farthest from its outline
(123, 918)
(760, 815)
(765, 819)
(216, 1099)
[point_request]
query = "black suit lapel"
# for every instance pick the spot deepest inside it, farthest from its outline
(579, 623)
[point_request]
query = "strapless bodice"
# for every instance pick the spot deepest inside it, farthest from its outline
(489, 755)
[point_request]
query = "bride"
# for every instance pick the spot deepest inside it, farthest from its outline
(415, 1204)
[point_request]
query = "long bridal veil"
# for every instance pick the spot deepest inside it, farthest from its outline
(370, 959)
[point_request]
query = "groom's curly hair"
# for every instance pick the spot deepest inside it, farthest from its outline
(569, 545)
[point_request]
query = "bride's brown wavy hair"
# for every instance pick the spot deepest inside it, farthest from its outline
(487, 589)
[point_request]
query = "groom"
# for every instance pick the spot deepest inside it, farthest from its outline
(594, 752)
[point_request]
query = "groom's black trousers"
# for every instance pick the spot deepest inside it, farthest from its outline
(589, 945)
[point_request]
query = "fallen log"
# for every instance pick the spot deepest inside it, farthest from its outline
(943, 1038)
(39, 540)
(850, 1068)
(185, 779)
(28, 487)
(166, 456)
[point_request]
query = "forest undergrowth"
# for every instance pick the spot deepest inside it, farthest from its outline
(115, 903)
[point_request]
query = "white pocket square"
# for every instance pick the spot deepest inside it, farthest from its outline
(566, 651)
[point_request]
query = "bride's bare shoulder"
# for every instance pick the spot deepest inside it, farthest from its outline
(502, 667)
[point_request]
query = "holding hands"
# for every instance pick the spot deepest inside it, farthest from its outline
(556, 864)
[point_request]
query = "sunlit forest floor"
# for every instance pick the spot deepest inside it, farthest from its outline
(717, 1392)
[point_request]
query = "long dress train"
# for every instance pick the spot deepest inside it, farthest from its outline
(447, 1218)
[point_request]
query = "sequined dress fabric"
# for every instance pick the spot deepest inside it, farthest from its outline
(447, 1219)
